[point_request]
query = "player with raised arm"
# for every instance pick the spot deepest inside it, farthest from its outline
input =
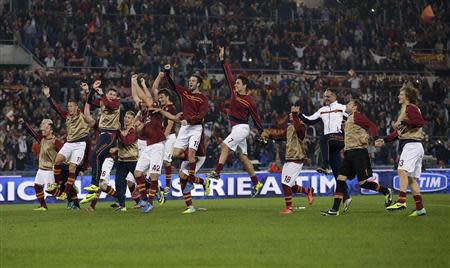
(74, 148)
(194, 106)
(164, 99)
(108, 125)
(151, 157)
(242, 106)
(295, 158)
(408, 129)
(332, 142)
(49, 147)
(356, 157)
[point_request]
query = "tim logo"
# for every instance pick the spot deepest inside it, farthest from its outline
(428, 182)
(367, 191)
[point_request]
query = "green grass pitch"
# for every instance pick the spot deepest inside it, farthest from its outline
(231, 233)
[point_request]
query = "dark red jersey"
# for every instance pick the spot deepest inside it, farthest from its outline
(241, 106)
(193, 105)
(153, 131)
(173, 110)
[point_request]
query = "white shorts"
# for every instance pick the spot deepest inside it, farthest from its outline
(44, 177)
(168, 147)
(141, 145)
(290, 172)
(151, 159)
(130, 178)
(238, 138)
(189, 136)
(106, 170)
(198, 165)
(73, 152)
(411, 159)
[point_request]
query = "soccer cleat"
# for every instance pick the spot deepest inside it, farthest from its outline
(256, 188)
(115, 205)
(161, 198)
(91, 188)
(188, 188)
(41, 209)
(207, 186)
(287, 210)
(330, 212)
(52, 187)
(323, 170)
(310, 196)
(141, 203)
(189, 210)
(62, 197)
(213, 175)
(88, 198)
(388, 198)
(347, 203)
(120, 209)
(147, 208)
(418, 213)
(396, 206)
(69, 204)
(166, 191)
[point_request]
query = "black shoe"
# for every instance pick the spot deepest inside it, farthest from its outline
(330, 212)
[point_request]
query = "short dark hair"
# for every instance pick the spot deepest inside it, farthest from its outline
(244, 80)
(332, 91)
(357, 103)
(199, 78)
(166, 92)
(73, 100)
(112, 89)
(130, 113)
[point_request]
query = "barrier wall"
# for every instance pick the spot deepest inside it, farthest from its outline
(17, 189)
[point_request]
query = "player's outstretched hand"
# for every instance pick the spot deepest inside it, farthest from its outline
(46, 91)
(154, 110)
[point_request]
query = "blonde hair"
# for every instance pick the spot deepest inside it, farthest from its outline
(412, 94)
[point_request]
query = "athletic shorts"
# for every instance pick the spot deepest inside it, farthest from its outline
(44, 177)
(73, 152)
(290, 172)
(238, 138)
(151, 159)
(189, 136)
(356, 162)
(168, 147)
(411, 159)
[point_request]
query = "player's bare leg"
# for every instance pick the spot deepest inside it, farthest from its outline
(401, 201)
(415, 190)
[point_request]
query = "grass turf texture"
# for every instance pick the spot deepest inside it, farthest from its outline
(233, 232)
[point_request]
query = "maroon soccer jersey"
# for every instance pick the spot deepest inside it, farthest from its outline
(171, 109)
(241, 106)
(153, 131)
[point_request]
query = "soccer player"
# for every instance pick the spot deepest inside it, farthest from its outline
(332, 142)
(241, 107)
(194, 106)
(108, 126)
(128, 157)
(408, 129)
(152, 157)
(356, 157)
(295, 157)
(49, 147)
(184, 172)
(168, 106)
(74, 148)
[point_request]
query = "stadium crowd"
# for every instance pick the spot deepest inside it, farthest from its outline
(129, 37)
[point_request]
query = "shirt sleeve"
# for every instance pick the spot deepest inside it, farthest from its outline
(229, 77)
(111, 104)
(198, 118)
(364, 122)
(300, 128)
(391, 137)
(32, 132)
(57, 108)
(130, 138)
(312, 119)
(415, 118)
